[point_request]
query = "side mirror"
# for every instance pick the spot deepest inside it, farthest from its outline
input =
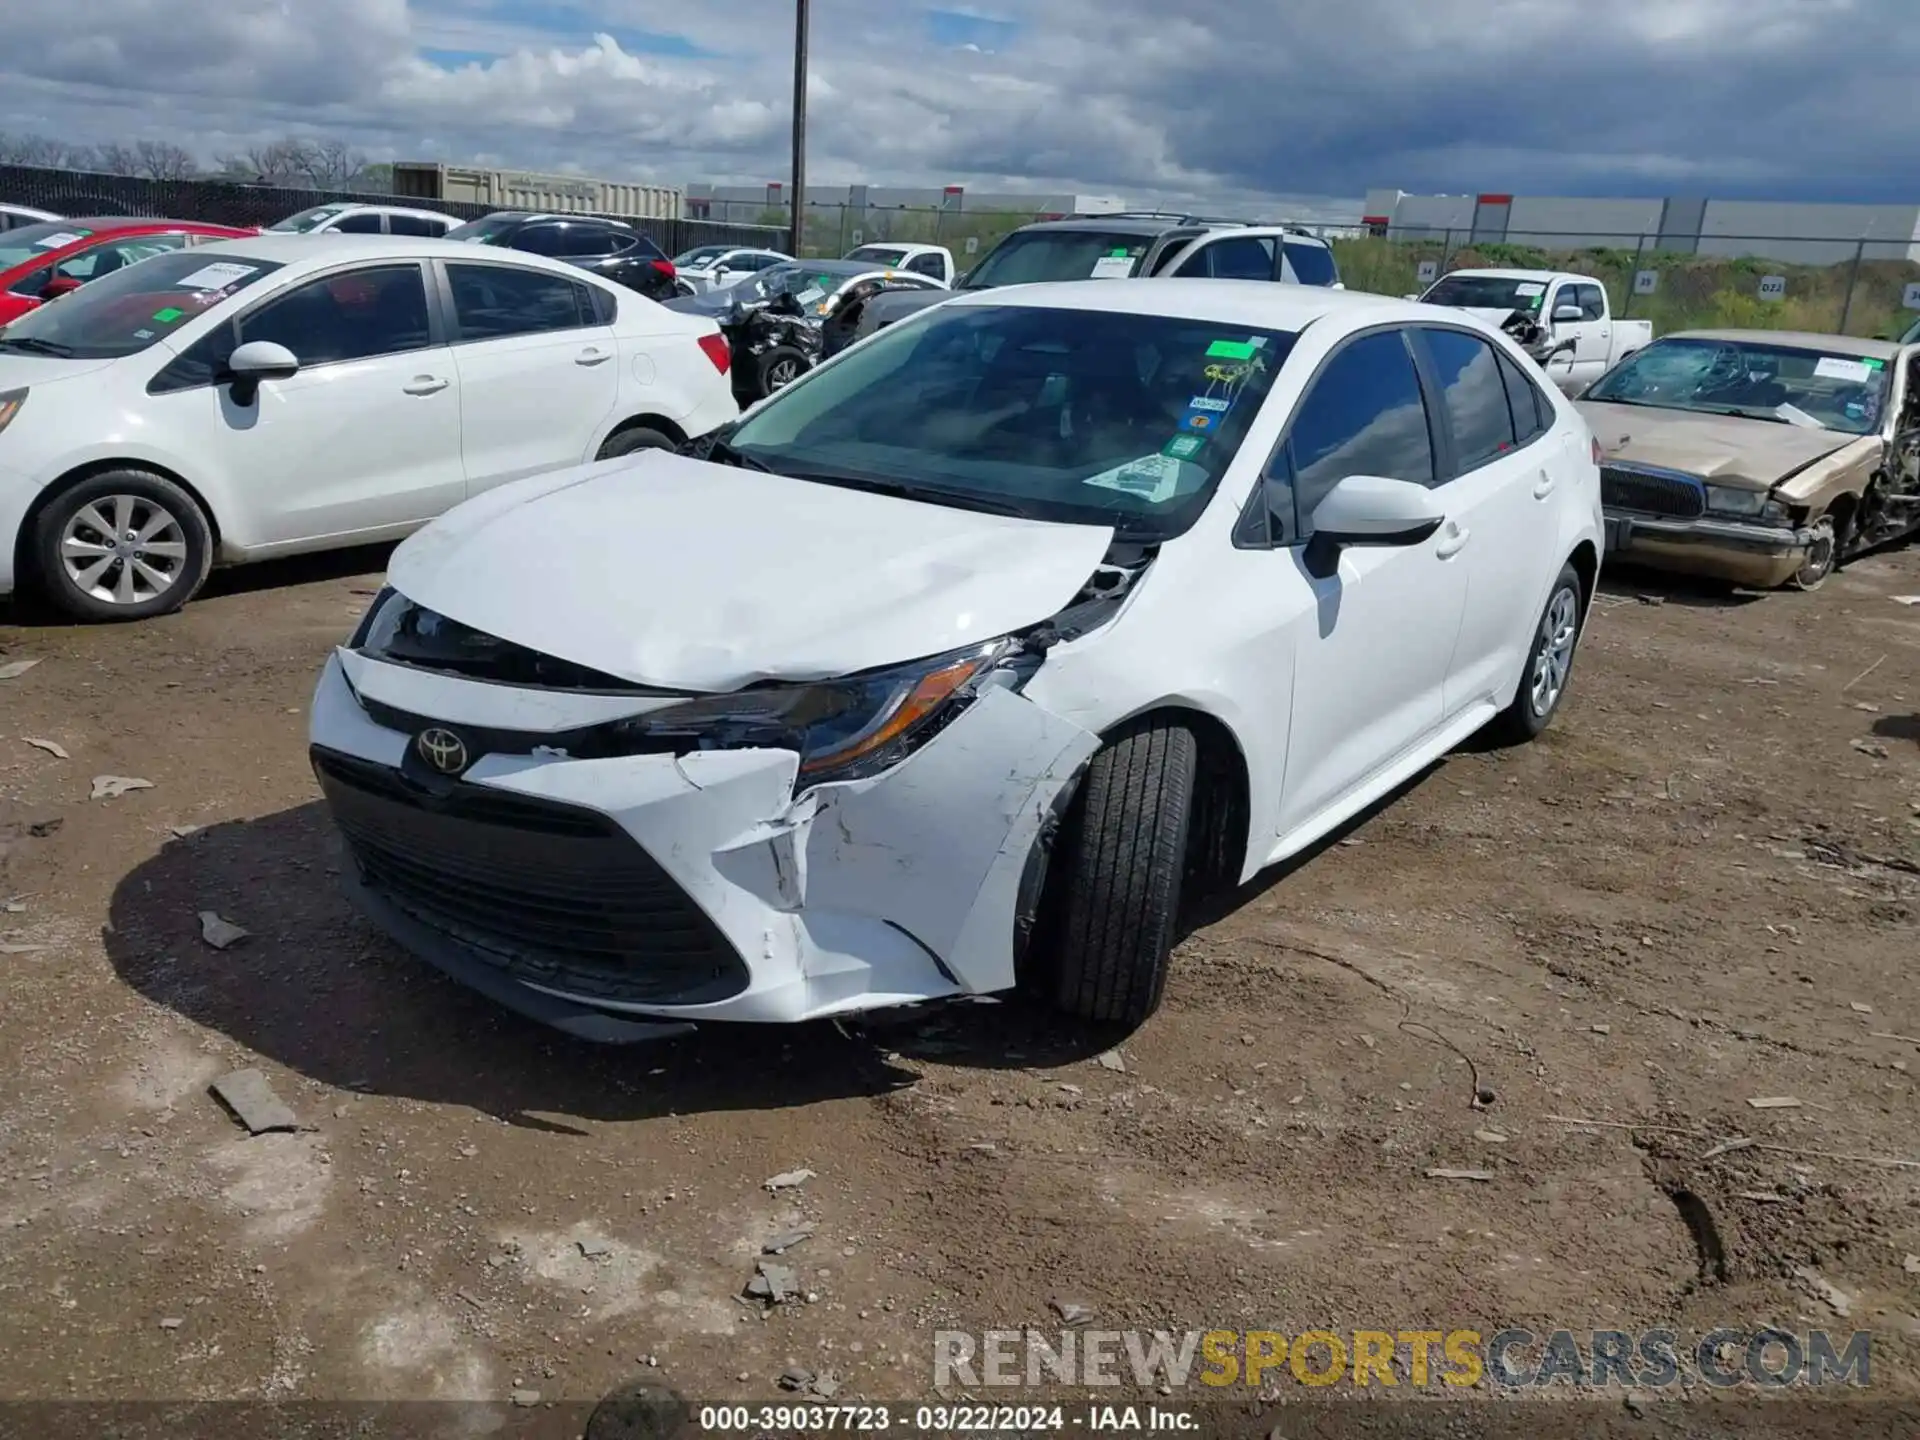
(255, 361)
(1370, 510)
(1414, 296)
(1567, 314)
(58, 286)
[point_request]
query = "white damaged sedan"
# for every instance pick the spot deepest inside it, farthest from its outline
(957, 665)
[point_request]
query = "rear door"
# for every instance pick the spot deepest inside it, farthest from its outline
(1497, 479)
(539, 370)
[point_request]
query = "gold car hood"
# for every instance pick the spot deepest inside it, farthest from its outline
(1726, 449)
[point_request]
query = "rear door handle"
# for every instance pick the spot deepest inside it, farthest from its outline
(426, 385)
(1543, 487)
(1452, 541)
(591, 356)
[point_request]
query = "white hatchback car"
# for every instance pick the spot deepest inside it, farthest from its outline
(959, 662)
(260, 397)
(714, 267)
(366, 219)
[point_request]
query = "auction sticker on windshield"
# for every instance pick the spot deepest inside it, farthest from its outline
(168, 315)
(65, 237)
(1112, 267)
(1153, 478)
(810, 294)
(1833, 367)
(1530, 287)
(217, 276)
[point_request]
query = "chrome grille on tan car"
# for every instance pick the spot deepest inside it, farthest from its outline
(1652, 492)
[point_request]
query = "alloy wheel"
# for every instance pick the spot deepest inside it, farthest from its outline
(123, 549)
(1559, 629)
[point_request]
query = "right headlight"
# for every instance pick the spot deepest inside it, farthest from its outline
(1746, 504)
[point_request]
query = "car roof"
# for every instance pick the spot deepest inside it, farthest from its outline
(1495, 274)
(128, 222)
(293, 250)
(553, 215)
(1799, 340)
(1145, 228)
(1227, 302)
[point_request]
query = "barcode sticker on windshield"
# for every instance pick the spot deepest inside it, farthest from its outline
(64, 237)
(217, 277)
(1832, 367)
(810, 294)
(1153, 478)
(1112, 267)
(1530, 287)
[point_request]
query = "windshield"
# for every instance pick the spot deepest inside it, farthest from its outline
(1753, 378)
(1032, 257)
(878, 254)
(307, 220)
(806, 284)
(1487, 292)
(1086, 416)
(30, 242)
(125, 312)
(700, 255)
(485, 230)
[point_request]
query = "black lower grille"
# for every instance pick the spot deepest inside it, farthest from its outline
(1652, 492)
(554, 894)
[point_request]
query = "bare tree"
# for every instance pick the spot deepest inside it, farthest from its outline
(33, 150)
(163, 160)
(283, 162)
(330, 164)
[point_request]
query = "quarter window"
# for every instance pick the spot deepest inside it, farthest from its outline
(1524, 401)
(927, 265)
(491, 302)
(1312, 264)
(354, 315)
(1475, 396)
(361, 222)
(1363, 416)
(415, 225)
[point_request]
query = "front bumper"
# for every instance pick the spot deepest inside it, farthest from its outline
(611, 896)
(1735, 550)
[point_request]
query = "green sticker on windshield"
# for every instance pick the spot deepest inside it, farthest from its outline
(1118, 254)
(1874, 364)
(168, 315)
(1232, 349)
(1183, 447)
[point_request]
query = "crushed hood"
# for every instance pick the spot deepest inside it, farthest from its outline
(1725, 449)
(686, 575)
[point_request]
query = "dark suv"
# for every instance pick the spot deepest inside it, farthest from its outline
(1130, 244)
(611, 249)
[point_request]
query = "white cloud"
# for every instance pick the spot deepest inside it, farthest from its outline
(1231, 100)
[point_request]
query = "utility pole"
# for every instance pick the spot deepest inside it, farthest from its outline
(798, 197)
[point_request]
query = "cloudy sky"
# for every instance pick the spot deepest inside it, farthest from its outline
(1144, 99)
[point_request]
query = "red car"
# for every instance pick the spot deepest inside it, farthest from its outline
(43, 262)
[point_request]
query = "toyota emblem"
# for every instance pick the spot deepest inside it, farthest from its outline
(443, 750)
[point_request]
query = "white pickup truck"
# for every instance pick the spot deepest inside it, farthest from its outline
(1567, 308)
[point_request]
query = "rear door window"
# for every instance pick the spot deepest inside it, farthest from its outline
(1239, 257)
(1475, 396)
(364, 222)
(928, 265)
(495, 302)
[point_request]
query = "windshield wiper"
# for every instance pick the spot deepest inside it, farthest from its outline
(1741, 414)
(34, 345)
(931, 494)
(716, 449)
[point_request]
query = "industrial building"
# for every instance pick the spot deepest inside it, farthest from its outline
(1795, 233)
(747, 204)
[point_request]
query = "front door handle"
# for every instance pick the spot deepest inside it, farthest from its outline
(591, 356)
(426, 385)
(1543, 487)
(1452, 541)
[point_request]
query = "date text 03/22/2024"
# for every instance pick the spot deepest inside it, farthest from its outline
(973, 1420)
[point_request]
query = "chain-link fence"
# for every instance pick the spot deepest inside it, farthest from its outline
(1825, 285)
(227, 202)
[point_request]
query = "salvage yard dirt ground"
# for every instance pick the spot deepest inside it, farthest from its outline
(1698, 890)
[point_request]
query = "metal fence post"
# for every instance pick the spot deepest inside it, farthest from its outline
(1446, 251)
(1853, 281)
(1639, 249)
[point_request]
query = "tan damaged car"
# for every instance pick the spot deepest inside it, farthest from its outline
(1758, 457)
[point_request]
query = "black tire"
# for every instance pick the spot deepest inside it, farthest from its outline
(1116, 878)
(1526, 717)
(777, 361)
(634, 437)
(1823, 555)
(181, 548)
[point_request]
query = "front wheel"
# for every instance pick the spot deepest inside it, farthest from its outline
(1823, 554)
(1116, 882)
(634, 437)
(123, 545)
(779, 368)
(1543, 684)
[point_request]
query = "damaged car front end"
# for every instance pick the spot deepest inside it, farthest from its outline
(1756, 459)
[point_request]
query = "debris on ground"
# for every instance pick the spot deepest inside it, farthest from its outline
(594, 1249)
(1071, 1312)
(1111, 1060)
(1651, 599)
(1601, 1029)
(788, 1180)
(112, 787)
(1726, 1147)
(41, 829)
(1775, 1102)
(1871, 747)
(826, 1385)
(1444, 1174)
(775, 1284)
(796, 1378)
(52, 747)
(219, 933)
(1911, 1264)
(780, 1244)
(14, 669)
(525, 1399)
(180, 832)
(1491, 1137)
(1824, 1290)
(251, 1099)
(172, 1322)
(8, 947)
(1860, 1009)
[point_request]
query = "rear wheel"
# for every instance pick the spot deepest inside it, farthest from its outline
(1543, 684)
(1116, 881)
(122, 545)
(634, 437)
(778, 369)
